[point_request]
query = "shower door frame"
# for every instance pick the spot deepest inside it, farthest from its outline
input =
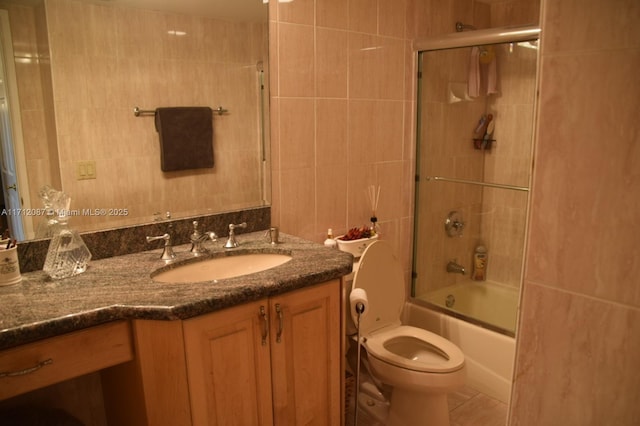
(498, 35)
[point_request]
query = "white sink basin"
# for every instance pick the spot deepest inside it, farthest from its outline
(221, 267)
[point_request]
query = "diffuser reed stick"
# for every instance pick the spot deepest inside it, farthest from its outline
(373, 192)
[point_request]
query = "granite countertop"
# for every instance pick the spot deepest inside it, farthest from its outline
(121, 288)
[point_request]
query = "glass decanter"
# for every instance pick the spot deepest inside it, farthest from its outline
(67, 254)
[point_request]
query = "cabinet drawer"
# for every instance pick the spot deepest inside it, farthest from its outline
(45, 362)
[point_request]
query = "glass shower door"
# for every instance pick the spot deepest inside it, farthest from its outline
(474, 160)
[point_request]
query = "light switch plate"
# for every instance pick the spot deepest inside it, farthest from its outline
(85, 170)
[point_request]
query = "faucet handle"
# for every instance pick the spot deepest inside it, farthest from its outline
(167, 253)
(196, 232)
(240, 225)
(231, 241)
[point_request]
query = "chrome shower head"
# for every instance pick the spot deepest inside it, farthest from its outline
(461, 27)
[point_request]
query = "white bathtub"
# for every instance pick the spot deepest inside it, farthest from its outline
(489, 355)
(494, 305)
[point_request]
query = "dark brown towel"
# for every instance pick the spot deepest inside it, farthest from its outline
(186, 137)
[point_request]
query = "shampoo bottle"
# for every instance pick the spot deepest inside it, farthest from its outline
(480, 258)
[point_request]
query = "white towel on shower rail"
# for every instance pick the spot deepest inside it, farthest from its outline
(477, 68)
(492, 77)
(473, 83)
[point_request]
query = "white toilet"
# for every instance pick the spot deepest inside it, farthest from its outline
(420, 367)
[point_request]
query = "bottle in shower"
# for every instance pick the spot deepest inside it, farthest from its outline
(480, 258)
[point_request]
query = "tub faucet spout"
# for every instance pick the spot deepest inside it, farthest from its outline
(455, 268)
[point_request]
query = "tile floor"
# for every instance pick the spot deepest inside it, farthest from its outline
(467, 407)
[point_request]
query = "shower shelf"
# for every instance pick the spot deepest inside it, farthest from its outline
(473, 182)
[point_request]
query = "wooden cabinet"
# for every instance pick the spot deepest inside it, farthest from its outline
(271, 362)
(305, 363)
(275, 362)
(228, 366)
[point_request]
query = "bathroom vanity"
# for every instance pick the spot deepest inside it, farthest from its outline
(263, 348)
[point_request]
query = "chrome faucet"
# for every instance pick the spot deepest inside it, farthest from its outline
(453, 267)
(167, 253)
(197, 239)
(231, 241)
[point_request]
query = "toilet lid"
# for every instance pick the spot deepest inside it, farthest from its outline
(380, 276)
(415, 349)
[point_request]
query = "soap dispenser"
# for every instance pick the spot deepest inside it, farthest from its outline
(330, 241)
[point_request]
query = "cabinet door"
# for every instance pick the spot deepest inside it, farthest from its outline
(305, 356)
(228, 367)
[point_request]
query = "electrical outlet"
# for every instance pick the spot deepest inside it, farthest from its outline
(85, 170)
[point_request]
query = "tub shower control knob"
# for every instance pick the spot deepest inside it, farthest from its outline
(453, 224)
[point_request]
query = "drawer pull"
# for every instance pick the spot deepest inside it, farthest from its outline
(28, 370)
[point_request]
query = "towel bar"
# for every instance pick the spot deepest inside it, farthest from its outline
(138, 112)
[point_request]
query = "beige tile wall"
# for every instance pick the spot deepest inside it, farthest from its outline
(579, 337)
(342, 116)
(343, 86)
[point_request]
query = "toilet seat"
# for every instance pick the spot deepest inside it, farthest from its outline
(415, 349)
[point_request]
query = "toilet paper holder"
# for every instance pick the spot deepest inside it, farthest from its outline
(359, 303)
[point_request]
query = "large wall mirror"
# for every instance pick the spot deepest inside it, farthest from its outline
(76, 69)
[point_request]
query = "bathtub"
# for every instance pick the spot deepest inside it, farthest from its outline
(488, 304)
(489, 355)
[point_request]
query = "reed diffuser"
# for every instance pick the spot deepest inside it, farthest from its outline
(373, 192)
